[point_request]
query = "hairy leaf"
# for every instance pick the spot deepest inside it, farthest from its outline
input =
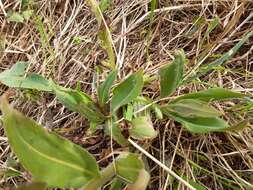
(50, 158)
(78, 102)
(104, 88)
(127, 90)
(171, 75)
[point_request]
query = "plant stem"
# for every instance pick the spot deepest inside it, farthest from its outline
(105, 176)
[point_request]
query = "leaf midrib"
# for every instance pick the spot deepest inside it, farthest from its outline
(73, 166)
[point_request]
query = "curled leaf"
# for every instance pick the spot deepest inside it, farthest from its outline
(142, 128)
(128, 167)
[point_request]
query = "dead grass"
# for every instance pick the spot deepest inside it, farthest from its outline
(61, 43)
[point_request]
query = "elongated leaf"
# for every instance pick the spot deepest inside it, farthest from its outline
(201, 124)
(95, 9)
(78, 102)
(50, 158)
(15, 17)
(128, 167)
(192, 108)
(211, 94)
(113, 129)
(104, 88)
(225, 57)
(214, 23)
(104, 34)
(142, 128)
(33, 186)
(171, 75)
(127, 91)
(196, 185)
(15, 77)
(106, 44)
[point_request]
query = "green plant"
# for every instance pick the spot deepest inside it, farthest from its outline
(44, 154)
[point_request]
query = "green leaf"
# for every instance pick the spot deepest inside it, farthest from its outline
(78, 102)
(128, 167)
(128, 112)
(104, 88)
(15, 77)
(223, 59)
(50, 158)
(211, 94)
(201, 124)
(239, 126)
(104, 4)
(15, 17)
(117, 184)
(192, 108)
(172, 74)
(157, 111)
(196, 185)
(114, 129)
(95, 9)
(142, 128)
(27, 14)
(127, 90)
(33, 186)
(11, 173)
(103, 34)
(142, 181)
(106, 44)
(214, 23)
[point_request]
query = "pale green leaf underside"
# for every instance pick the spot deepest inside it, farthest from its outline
(15, 77)
(142, 128)
(128, 167)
